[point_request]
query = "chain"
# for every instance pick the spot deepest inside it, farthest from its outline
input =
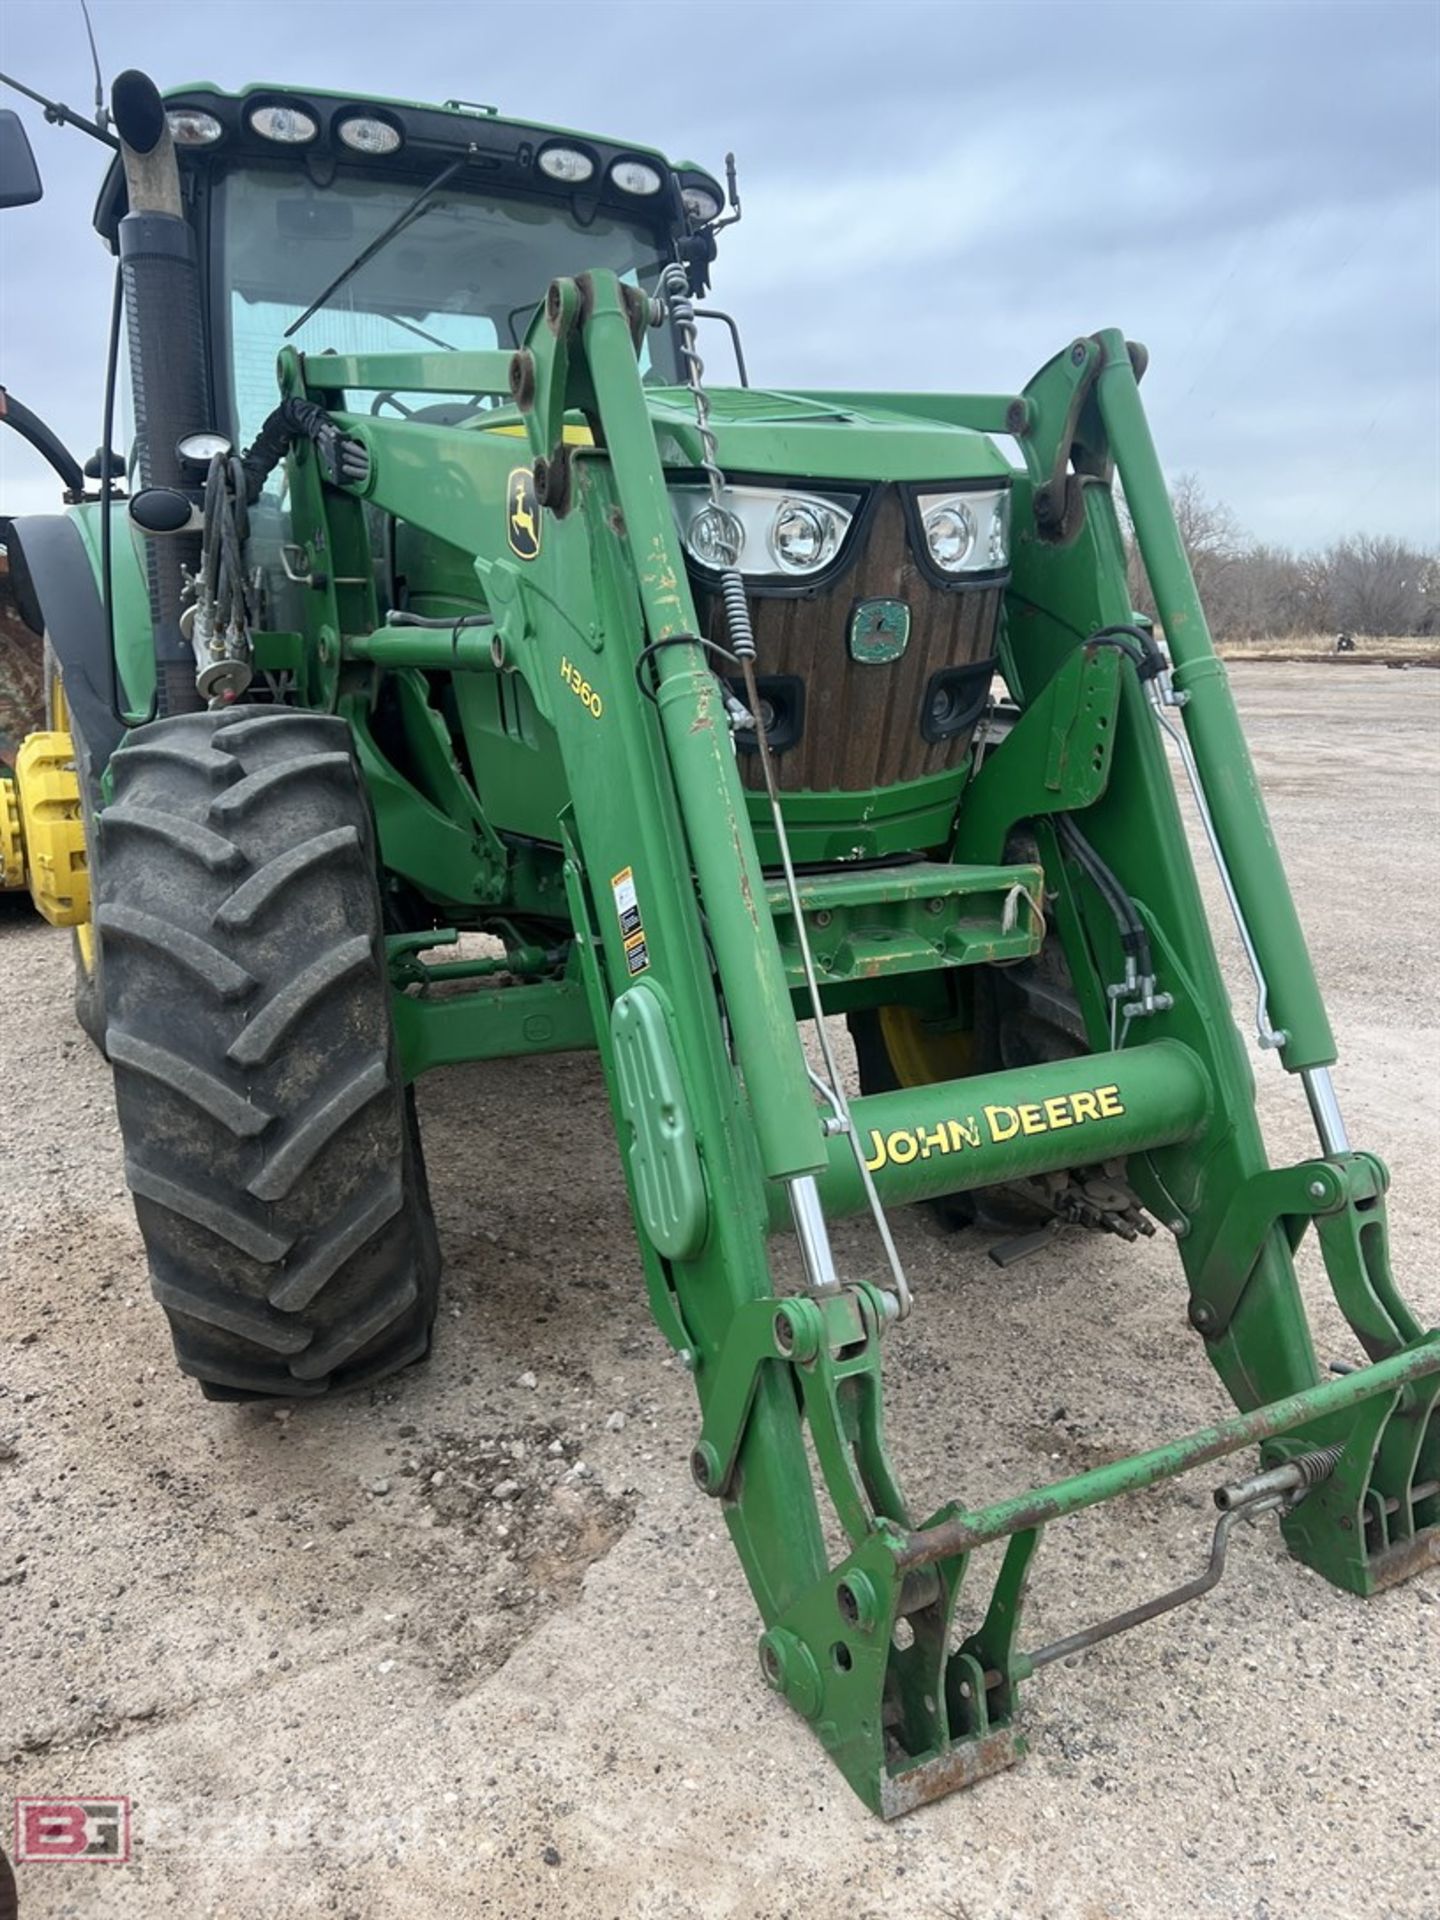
(676, 289)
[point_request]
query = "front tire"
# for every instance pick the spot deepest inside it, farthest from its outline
(269, 1144)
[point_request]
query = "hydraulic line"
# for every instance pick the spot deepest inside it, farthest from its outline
(1139, 977)
(1161, 696)
(1133, 933)
(1153, 671)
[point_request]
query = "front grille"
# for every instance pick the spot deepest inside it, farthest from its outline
(864, 724)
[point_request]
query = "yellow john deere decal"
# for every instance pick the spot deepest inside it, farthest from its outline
(582, 689)
(995, 1126)
(522, 519)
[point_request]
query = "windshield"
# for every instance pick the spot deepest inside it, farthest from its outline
(465, 274)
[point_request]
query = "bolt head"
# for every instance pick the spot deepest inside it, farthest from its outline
(789, 1668)
(1317, 1189)
(857, 1602)
(797, 1330)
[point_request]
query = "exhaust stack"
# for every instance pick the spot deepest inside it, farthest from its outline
(167, 357)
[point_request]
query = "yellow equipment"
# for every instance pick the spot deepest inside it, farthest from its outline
(42, 833)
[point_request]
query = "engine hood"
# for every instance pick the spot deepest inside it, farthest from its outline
(803, 436)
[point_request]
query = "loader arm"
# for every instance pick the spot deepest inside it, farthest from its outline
(692, 1000)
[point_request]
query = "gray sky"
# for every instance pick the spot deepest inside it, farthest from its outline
(936, 196)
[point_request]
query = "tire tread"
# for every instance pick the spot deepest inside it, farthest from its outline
(270, 1144)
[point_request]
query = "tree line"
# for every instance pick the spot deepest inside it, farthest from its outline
(1364, 584)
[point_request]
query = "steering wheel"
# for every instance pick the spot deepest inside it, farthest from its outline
(445, 413)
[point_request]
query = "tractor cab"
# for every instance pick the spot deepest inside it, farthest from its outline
(343, 226)
(331, 226)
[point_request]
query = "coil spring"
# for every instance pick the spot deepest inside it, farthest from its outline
(737, 615)
(1317, 1466)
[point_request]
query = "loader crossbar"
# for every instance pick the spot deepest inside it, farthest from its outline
(1061, 1497)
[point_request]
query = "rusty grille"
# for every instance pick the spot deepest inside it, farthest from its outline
(862, 721)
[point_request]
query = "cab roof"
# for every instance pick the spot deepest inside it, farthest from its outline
(502, 154)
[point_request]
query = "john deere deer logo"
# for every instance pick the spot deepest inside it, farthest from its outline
(523, 518)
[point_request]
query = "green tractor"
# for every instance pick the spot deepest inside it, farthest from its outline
(449, 598)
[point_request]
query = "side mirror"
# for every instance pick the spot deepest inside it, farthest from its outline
(19, 176)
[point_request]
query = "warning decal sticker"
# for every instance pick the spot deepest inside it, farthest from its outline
(632, 927)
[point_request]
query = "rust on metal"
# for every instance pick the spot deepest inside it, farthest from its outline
(961, 1766)
(862, 721)
(1405, 1559)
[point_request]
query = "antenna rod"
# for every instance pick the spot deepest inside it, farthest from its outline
(61, 116)
(102, 118)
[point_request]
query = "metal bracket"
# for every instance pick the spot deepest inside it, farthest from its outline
(1346, 1199)
(1056, 759)
(832, 1344)
(1059, 498)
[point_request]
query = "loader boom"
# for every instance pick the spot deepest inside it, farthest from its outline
(714, 1105)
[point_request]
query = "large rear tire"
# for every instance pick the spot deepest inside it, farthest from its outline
(269, 1143)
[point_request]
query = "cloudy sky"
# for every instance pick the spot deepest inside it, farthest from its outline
(937, 195)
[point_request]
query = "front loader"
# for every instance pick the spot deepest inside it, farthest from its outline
(451, 597)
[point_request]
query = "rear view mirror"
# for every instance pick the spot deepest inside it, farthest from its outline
(19, 176)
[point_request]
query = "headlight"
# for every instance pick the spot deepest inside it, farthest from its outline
(363, 133)
(966, 531)
(805, 534)
(636, 176)
(950, 534)
(192, 127)
(567, 164)
(292, 126)
(701, 204)
(764, 531)
(715, 537)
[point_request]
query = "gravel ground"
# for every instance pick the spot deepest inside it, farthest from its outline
(343, 1669)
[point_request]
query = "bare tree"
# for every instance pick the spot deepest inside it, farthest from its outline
(1213, 543)
(1368, 583)
(1377, 585)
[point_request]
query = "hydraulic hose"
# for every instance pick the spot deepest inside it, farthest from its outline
(1134, 936)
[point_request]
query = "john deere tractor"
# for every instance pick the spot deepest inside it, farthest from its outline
(449, 597)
